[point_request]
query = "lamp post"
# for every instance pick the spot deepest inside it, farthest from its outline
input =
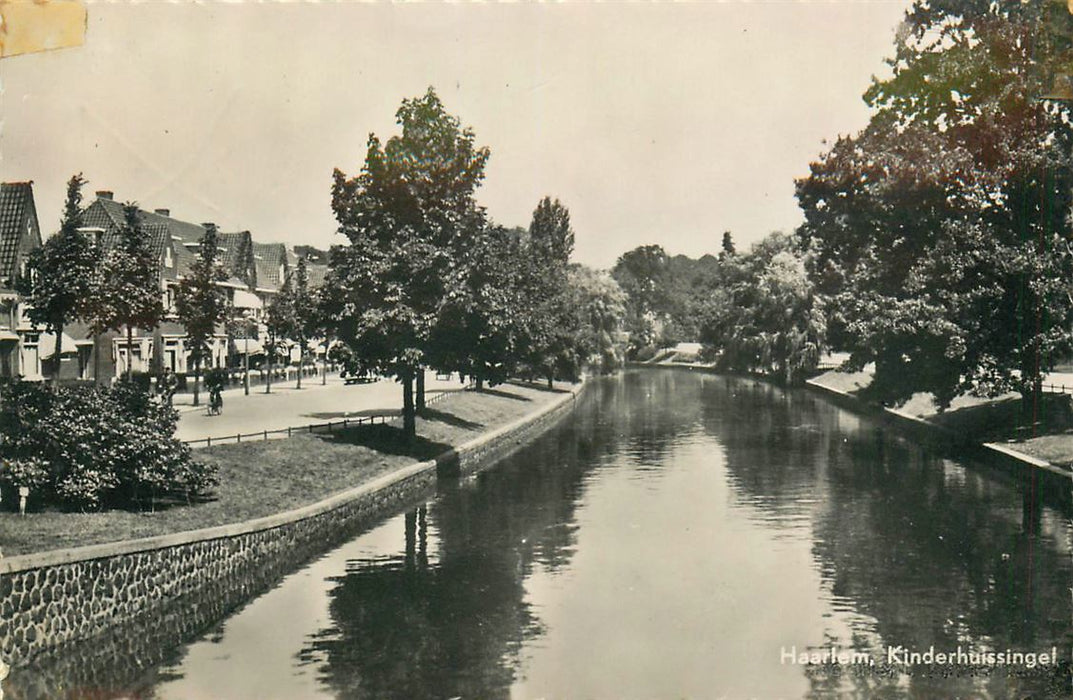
(246, 358)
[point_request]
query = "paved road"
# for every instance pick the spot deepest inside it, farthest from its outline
(287, 406)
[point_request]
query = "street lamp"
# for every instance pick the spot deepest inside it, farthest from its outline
(246, 360)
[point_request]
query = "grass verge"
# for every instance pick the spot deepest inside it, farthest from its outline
(263, 478)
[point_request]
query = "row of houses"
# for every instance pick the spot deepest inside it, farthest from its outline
(256, 272)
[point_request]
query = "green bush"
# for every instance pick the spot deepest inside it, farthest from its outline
(645, 353)
(97, 447)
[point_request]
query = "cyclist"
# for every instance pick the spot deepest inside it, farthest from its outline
(216, 400)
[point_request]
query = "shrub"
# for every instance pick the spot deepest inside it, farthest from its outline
(95, 446)
(645, 353)
(143, 380)
(30, 472)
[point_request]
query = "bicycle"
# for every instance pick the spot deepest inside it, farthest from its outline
(216, 402)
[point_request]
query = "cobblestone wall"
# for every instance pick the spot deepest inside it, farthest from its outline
(144, 598)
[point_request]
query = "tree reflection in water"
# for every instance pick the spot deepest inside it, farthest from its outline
(521, 579)
(454, 626)
(924, 550)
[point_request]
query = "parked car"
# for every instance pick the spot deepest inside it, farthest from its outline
(357, 377)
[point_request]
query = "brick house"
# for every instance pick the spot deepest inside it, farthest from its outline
(20, 233)
(175, 243)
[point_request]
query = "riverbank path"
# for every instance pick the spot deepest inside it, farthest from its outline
(289, 407)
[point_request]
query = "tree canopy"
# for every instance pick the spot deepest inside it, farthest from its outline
(129, 293)
(941, 231)
(199, 301)
(62, 273)
(411, 207)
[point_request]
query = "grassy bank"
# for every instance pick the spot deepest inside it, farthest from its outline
(263, 478)
(1045, 432)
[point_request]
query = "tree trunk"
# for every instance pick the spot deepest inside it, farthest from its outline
(268, 379)
(301, 359)
(97, 359)
(551, 381)
(324, 368)
(197, 376)
(480, 382)
(59, 355)
(420, 388)
(130, 354)
(409, 422)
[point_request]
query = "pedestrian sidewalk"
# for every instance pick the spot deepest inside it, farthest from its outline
(287, 406)
(184, 402)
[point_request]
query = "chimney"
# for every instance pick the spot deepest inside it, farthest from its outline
(207, 225)
(104, 194)
(162, 212)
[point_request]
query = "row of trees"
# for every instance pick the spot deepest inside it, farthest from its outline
(754, 312)
(937, 242)
(113, 284)
(428, 281)
(666, 296)
(940, 234)
(90, 447)
(110, 287)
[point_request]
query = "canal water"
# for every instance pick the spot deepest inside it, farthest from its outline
(679, 535)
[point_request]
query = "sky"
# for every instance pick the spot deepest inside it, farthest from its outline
(663, 123)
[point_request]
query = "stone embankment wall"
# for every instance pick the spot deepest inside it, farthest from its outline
(1056, 482)
(50, 600)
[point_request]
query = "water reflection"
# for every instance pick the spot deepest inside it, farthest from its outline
(922, 550)
(670, 539)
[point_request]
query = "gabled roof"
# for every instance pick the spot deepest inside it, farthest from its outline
(267, 258)
(105, 213)
(16, 204)
(158, 235)
(316, 274)
(238, 257)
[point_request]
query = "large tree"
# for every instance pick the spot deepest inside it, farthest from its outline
(200, 302)
(551, 238)
(551, 323)
(941, 231)
(129, 294)
(643, 275)
(279, 319)
(62, 274)
(411, 205)
(294, 313)
(599, 305)
(764, 316)
(481, 326)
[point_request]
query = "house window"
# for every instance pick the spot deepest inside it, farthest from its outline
(168, 261)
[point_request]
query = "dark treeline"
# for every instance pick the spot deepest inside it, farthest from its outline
(754, 312)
